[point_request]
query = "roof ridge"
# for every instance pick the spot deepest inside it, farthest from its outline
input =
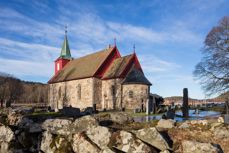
(97, 52)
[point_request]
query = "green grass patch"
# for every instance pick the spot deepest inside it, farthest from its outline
(44, 114)
(142, 114)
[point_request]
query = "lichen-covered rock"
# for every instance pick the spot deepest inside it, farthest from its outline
(197, 147)
(214, 125)
(201, 122)
(99, 135)
(80, 143)
(106, 150)
(6, 134)
(165, 151)
(184, 125)
(221, 132)
(4, 147)
(166, 124)
(220, 120)
(153, 137)
(47, 139)
(121, 118)
(57, 126)
(128, 143)
(14, 118)
(61, 145)
(83, 124)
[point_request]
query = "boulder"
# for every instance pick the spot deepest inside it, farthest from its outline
(197, 147)
(4, 147)
(153, 137)
(165, 151)
(127, 142)
(221, 132)
(6, 134)
(47, 139)
(184, 125)
(14, 118)
(121, 118)
(99, 135)
(202, 122)
(107, 150)
(80, 143)
(83, 124)
(61, 144)
(214, 125)
(220, 120)
(166, 124)
(57, 126)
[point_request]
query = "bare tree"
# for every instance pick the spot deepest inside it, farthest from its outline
(213, 70)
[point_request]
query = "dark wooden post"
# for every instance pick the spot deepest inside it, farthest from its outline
(94, 108)
(1, 103)
(185, 103)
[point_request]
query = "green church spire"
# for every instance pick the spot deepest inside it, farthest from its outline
(65, 51)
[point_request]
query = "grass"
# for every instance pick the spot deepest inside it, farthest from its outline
(142, 114)
(45, 114)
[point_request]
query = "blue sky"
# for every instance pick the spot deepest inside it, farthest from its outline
(168, 36)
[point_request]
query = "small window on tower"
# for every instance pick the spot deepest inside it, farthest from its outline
(131, 94)
(58, 66)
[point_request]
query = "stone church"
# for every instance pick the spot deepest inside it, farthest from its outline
(103, 79)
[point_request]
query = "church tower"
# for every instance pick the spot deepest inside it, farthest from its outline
(65, 55)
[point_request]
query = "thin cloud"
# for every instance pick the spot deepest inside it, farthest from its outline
(153, 64)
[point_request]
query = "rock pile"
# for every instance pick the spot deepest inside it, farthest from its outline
(86, 134)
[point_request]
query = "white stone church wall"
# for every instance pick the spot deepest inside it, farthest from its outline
(67, 94)
(139, 96)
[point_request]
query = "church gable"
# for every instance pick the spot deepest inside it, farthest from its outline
(121, 66)
(102, 70)
(117, 67)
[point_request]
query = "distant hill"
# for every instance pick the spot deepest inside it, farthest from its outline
(22, 91)
(220, 98)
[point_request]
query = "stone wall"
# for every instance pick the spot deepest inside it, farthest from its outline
(105, 94)
(139, 96)
(111, 98)
(68, 94)
(97, 94)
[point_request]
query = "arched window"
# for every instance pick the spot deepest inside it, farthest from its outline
(59, 93)
(131, 94)
(79, 91)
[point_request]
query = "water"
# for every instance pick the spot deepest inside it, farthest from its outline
(192, 116)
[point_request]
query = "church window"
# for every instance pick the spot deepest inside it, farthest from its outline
(131, 94)
(58, 66)
(79, 91)
(59, 92)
